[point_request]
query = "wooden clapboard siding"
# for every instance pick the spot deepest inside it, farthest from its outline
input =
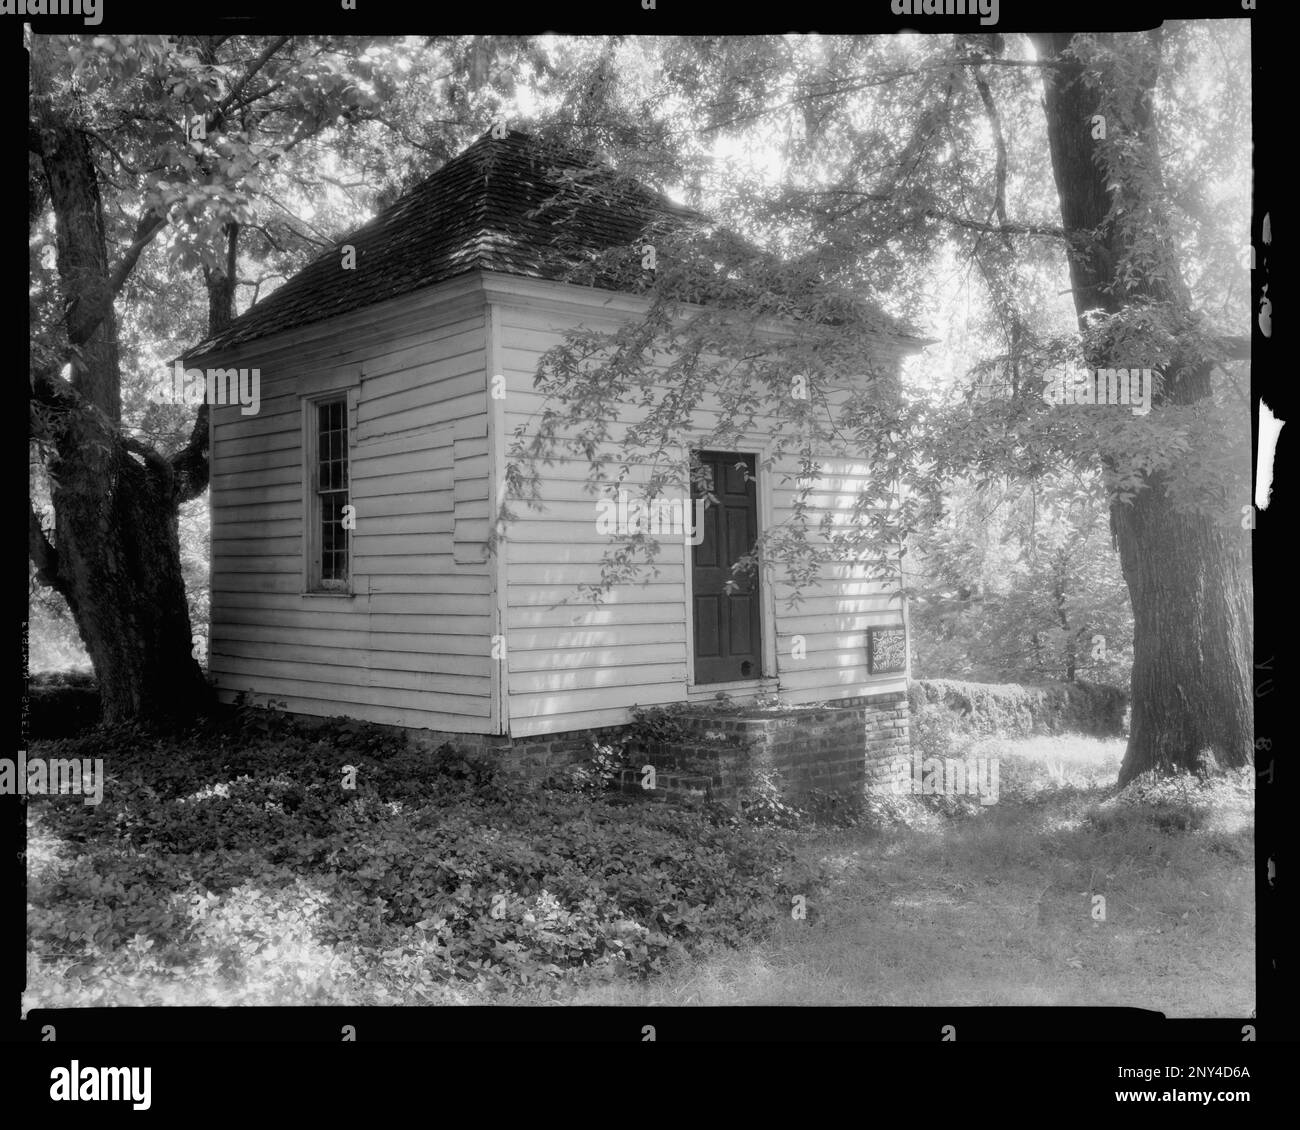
(832, 617)
(535, 714)
(305, 696)
(578, 664)
(365, 704)
(412, 644)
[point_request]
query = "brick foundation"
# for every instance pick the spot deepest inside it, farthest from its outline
(846, 746)
(842, 747)
(529, 759)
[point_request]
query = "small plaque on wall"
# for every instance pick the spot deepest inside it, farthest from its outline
(886, 650)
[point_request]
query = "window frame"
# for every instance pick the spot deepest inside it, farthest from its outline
(314, 584)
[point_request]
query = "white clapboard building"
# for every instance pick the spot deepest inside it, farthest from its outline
(351, 513)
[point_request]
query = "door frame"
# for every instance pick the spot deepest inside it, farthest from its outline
(768, 676)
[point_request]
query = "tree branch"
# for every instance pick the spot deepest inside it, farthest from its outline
(255, 96)
(1235, 348)
(1046, 231)
(265, 235)
(1000, 170)
(149, 226)
(256, 65)
(190, 464)
(113, 152)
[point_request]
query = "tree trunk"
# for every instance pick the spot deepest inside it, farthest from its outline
(1188, 575)
(118, 555)
(1071, 639)
(116, 552)
(1192, 639)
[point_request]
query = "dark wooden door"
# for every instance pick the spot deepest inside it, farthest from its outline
(727, 643)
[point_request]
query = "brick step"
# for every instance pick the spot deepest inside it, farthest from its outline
(724, 772)
(669, 786)
(703, 751)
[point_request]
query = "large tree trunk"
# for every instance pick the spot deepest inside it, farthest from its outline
(118, 558)
(115, 555)
(1192, 638)
(1188, 574)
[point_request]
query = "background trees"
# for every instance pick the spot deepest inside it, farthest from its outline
(1020, 584)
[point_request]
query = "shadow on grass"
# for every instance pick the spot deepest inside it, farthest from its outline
(1066, 892)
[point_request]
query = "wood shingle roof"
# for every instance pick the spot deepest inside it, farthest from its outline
(512, 204)
(505, 204)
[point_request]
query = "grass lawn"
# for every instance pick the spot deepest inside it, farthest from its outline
(996, 909)
(229, 866)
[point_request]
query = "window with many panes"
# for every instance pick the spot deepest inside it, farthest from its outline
(329, 495)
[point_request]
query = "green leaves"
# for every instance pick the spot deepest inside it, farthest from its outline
(241, 870)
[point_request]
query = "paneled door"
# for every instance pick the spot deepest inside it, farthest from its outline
(727, 643)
